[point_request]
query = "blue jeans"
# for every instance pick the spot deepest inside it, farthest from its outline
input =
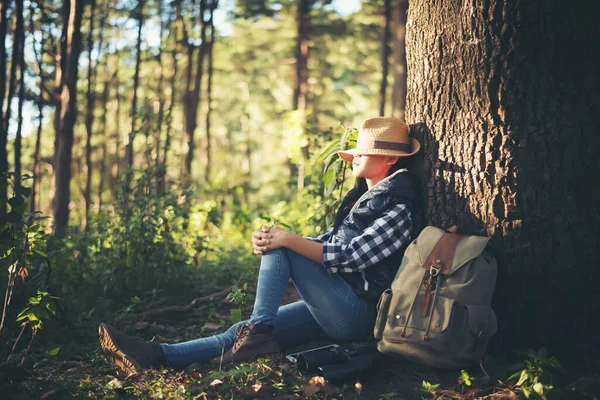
(329, 309)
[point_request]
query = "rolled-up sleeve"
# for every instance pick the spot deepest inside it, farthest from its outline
(379, 240)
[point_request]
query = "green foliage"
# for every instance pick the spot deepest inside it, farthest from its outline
(23, 259)
(536, 378)
(465, 378)
(427, 388)
(239, 296)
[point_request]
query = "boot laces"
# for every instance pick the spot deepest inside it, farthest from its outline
(241, 331)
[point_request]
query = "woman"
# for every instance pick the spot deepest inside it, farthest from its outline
(339, 275)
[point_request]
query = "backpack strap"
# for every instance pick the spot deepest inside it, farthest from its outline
(439, 261)
(442, 254)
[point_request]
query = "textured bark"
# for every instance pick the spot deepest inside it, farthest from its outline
(136, 80)
(21, 88)
(209, 71)
(66, 110)
(509, 139)
(192, 93)
(3, 137)
(18, 33)
(160, 94)
(385, 54)
(34, 203)
(89, 116)
(399, 57)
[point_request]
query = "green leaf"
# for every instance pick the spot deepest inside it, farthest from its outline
(23, 191)
(54, 352)
(236, 315)
(465, 377)
(39, 252)
(523, 378)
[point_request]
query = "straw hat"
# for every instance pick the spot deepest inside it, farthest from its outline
(386, 136)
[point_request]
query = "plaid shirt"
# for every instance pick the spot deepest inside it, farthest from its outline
(380, 239)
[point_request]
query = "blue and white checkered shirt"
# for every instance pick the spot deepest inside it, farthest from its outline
(388, 233)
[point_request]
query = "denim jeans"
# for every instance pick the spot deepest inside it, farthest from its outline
(329, 309)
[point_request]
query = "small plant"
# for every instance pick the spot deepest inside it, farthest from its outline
(239, 296)
(465, 378)
(536, 378)
(427, 388)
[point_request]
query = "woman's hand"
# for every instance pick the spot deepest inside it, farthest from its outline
(266, 239)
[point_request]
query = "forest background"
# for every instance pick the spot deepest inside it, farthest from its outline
(142, 141)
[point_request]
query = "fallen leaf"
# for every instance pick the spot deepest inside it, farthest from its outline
(310, 390)
(140, 325)
(257, 386)
(216, 382)
(285, 367)
(211, 326)
(317, 380)
(48, 394)
(358, 387)
(114, 384)
(23, 273)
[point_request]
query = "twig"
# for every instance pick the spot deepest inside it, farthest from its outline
(162, 310)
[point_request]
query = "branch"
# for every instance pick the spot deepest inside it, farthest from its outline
(162, 310)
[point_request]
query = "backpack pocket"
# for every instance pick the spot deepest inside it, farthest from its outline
(383, 307)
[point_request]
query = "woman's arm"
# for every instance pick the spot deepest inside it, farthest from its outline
(273, 238)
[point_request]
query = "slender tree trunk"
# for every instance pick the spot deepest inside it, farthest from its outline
(89, 117)
(208, 96)
(66, 112)
(136, 80)
(3, 137)
(385, 55)
(117, 164)
(301, 82)
(21, 87)
(510, 142)
(192, 97)
(14, 64)
(160, 94)
(105, 139)
(399, 56)
(34, 204)
(246, 132)
(162, 181)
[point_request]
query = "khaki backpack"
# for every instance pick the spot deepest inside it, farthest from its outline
(437, 311)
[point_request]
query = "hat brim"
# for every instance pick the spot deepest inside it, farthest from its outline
(348, 155)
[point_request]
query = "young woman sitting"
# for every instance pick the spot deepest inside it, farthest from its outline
(339, 275)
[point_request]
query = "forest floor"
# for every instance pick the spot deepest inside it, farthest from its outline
(79, 370)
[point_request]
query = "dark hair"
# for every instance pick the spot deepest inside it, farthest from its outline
(360, 188)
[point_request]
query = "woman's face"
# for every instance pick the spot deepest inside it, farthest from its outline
(371, 167)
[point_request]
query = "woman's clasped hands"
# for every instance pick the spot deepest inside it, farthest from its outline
(268, 238)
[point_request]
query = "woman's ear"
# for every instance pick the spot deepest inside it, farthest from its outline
(392, 160)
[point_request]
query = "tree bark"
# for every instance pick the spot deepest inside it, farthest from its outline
(14, 64)
(104, 147)
(399, 57)
(89, 117)
(509, 142)
(3, 137)
(299, 101)
(66, 110)
(136, 80)
(208, 95)
(160, 95)
(20, 86)
(34, 204)
(192, 93)
(385, 55)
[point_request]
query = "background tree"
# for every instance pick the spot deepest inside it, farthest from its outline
(509, 139)
(66, 110)
(399, 9)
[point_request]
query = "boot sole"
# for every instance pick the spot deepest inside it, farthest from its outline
(115, 354)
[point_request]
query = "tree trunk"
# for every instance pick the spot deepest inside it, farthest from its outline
(136, 80)
(66, 110)
(301, 82)
(21, 87)
(160, 94)
(34, 204)
(89, 117)
(14, 64)
(163, 174)
(208, 95)
(116, 167)
(509, 142)
(385, 55)
(3, 137)
(192, 94)
(399, 56)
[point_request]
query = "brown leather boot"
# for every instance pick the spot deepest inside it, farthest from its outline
(130, 354)
(253, 340)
